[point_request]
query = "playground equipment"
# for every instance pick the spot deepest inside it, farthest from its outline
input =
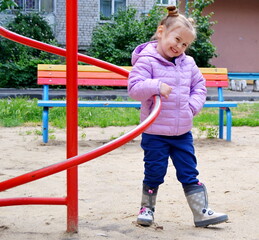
(72, 57)
(72, 162)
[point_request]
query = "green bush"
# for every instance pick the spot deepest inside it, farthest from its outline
(202, 50)
(22, 74)
(18, 63)
(6, 4)
(30, 25)
(114, 41)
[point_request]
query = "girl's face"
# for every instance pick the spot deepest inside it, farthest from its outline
(173, 42)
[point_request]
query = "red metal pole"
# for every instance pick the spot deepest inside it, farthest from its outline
(72, 113)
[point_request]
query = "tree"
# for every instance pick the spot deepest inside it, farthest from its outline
(114, 41)
(6, 4)
(18, 63)
(202, 50)
(30, 25)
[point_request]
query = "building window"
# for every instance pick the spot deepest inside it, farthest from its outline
(110, 7)
(166, 2)
(36, 5)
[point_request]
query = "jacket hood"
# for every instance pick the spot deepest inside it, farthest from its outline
(148, 49)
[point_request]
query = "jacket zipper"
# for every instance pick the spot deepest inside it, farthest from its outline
(177, 98)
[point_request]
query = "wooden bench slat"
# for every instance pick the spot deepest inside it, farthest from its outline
(86, 68)
(216, 84)
(214, 70)
(97, 75)
(213, 77)
(85, 82)
(110, 82)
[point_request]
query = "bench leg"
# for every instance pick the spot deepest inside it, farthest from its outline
(45, 124)
(221, 123)
(229, 123)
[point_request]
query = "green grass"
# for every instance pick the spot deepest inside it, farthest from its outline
(18, 111)
(246, 114)
(22, 111)
(101, 117)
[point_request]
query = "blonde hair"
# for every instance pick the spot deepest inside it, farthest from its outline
(174, 18)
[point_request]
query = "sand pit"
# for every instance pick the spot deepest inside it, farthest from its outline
(110, 188)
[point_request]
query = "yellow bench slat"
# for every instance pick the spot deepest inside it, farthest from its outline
(81, 68)
(90, 68)
(214, 70)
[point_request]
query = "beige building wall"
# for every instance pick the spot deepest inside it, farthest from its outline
(236, 34)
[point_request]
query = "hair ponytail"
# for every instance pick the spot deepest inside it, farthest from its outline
(172, 11)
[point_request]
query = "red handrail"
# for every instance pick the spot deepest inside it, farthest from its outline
(32, 201)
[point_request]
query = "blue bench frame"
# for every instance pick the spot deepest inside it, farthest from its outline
(235, 77)
(223, 106)
(243, 75)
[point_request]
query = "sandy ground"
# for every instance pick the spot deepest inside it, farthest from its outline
(110, 188)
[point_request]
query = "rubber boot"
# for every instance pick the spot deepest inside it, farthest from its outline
(197, 198)
(148, 202)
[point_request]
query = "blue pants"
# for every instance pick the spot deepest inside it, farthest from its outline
(158, 149)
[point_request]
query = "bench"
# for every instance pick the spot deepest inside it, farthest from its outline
(238, 80)
(94, 76)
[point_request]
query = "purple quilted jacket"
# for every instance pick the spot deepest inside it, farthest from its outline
(188, 94)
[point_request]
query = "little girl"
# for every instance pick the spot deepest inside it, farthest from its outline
(161, 67)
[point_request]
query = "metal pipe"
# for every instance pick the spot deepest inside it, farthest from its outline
(72, 112)
(32, 201)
